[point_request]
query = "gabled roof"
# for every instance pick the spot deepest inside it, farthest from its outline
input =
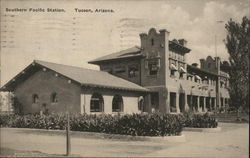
(80, 75)
(127, 53)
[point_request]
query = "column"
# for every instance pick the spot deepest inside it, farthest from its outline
(204, 104)
(186, 103)
(148, 103)
(177, 103)
(108, 104)
(198, 103)
(191, 103)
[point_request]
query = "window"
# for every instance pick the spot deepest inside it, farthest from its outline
(153, 66)
(96, 103)
(152, 42)
(132, 71)
(208, 65)
(140, 103)
(173, 102)
(35, 98)
(117, 103)
(54, 98)
(172, 73)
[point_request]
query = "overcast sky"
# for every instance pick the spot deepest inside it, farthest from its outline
(74, 38)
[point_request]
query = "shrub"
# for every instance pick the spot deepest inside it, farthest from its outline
(135, 124)
(199, 120)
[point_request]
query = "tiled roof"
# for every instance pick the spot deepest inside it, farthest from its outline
(86, 77)
(136, 52)
(130, 52)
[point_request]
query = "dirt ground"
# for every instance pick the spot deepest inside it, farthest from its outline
(232, 141)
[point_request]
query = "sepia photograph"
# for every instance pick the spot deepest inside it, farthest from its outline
(135, 78)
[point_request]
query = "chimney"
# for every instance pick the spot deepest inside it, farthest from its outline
(182, 42)
(202, 61)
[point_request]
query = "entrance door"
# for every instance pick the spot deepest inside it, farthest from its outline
(182, 102)
(155, 101)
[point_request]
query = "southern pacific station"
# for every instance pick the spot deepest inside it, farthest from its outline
(151, 78)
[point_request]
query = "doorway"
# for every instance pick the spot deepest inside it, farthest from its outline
(155, 101)
(182, 102)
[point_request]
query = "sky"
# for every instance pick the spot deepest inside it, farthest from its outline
(74, 38)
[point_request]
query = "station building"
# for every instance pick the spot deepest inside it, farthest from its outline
(154, 77)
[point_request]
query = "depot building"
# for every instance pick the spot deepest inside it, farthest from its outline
(151, 78)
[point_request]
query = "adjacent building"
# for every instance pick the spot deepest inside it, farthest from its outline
(154, 77)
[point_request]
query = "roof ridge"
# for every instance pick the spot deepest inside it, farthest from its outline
(37, 61)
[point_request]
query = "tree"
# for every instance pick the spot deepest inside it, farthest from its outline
(237, 44)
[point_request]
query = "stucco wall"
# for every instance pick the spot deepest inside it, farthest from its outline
(130, 100)
(44, 83)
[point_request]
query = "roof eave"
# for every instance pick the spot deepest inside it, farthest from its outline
(113, 59)
(116, 88)
(211, 73)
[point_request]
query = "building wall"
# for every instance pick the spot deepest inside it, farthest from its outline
(164, 83)
(120, 68)
(154, 46)
(130, 100)
(44, 83)
(156, 51)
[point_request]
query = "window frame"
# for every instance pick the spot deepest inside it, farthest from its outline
(54, 97)
(35, 98)
(120, 102)
(98, 97)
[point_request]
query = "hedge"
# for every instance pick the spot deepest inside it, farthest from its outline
(135, 124)
(199, 120)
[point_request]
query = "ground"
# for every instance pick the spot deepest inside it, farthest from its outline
(232, 141)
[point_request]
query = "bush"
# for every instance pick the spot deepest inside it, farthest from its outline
(135, 124)
(199, 120)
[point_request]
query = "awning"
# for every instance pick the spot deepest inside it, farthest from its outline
(197, 77)
(173, 67)
(182, 70)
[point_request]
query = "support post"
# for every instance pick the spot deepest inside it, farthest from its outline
(177, 102)
(68, 143)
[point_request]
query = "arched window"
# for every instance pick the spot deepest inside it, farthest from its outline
(35, 98)
(141, 103)
(152, 42)
(117, 103)
(54, 98)
(96, 103)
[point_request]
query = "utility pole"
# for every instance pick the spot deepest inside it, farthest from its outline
(218, 69)
(68, 143)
